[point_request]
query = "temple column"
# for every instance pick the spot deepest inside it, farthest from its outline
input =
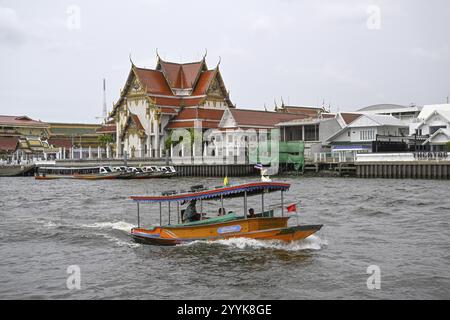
(117, 140)
(107, 151)
(90, 153)
(72, 153)
(157, 138)
(149, 146)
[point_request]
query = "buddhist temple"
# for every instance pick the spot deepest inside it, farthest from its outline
(171, 96)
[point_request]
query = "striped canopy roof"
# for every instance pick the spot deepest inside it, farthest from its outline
(217, 193)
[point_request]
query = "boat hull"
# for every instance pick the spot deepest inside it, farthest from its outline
(256, 228)
(78, 176)
(288, 234)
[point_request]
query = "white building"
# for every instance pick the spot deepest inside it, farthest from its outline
(432, 127)
(403, 113)
(360, 134)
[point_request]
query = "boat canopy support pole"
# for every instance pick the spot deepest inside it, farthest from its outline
(262, 203)
(245, 204)
(169, 212)
(178, 211)
(221, 205)
(160, 215)
(282, 203)
(138, 216)
(201, 209)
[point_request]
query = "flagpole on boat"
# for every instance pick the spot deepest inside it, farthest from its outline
(282, 203)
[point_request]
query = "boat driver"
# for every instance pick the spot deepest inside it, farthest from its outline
(190, 214)
(251, 213)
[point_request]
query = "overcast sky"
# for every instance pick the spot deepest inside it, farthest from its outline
(54, 54)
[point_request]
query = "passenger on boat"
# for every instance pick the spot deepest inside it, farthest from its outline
(190, 214)
(251, 213)
(221, 212)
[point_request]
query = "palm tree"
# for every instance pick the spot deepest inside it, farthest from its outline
(105, 140)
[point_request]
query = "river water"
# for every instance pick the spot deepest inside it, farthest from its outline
(399, 226)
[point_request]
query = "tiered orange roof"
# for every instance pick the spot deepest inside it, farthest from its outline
(210, 118)
(175, 85)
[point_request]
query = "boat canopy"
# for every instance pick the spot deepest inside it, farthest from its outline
(218, 193)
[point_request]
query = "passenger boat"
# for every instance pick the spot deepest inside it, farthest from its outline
(262, 226)
(160, 172)
(87, 173)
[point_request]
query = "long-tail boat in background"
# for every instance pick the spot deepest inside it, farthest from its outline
(260, 226)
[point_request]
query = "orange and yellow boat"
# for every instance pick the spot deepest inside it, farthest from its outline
(261, 226)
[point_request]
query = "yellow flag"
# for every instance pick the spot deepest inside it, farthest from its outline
(225, 181)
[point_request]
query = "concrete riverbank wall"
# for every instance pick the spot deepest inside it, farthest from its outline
(404, 170)
(184, 170)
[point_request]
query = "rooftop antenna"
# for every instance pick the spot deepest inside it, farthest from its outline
(105, 109)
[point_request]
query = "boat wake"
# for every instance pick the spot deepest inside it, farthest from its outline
(119, 225)
(313, 242)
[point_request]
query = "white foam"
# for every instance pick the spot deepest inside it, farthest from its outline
(51, 224)
(120, 242)
(313, 242)
(119, 225)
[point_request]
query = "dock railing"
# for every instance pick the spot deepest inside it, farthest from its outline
(334, 157)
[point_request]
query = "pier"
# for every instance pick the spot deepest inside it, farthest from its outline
(418, 165)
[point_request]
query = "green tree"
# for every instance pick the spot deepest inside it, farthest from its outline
(105, 140)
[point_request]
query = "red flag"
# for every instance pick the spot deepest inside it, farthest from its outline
(292, 207)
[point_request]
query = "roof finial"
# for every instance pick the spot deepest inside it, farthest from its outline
(131, 60)
(218, 63)
(206, 52)
(275, 103)
(282, 102)
(157, 55)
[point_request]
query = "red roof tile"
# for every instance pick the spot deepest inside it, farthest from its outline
(107, 128)
(305, 111)
(60, 143)
(200, 113)
(136, 120)
(256, 118)
(181, 75)
(154, 81)
(21, 121)
(8, 144)
(350, 117)
(190, 124)
(177, 102)
(203, 82)
(168, 110)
